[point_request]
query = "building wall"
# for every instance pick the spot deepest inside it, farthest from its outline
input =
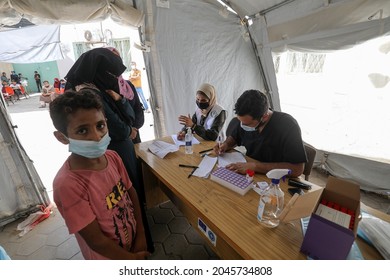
(6, 67)
(47, 70)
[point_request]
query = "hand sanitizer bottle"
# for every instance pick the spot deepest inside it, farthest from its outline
(272, 199)
(188, 140)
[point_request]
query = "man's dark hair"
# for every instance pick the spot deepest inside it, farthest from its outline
(253, 103)
(68, 103)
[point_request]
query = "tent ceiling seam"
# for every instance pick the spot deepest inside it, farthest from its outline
(274, 7)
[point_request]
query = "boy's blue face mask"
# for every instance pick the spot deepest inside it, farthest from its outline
(89, 149)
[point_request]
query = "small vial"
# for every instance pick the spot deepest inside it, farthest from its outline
(249, 175)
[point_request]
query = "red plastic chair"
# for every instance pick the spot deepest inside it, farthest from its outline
(7, 98)
(9, 94)
(9, 90)
(24, 92)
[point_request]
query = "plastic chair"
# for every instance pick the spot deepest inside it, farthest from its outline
(24, 92)
(311, 154)
(232, 124)
(7, 98)
(10, 93)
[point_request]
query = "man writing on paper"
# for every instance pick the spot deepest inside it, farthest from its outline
(272, 138)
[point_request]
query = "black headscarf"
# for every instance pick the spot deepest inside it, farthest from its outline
(99, 66)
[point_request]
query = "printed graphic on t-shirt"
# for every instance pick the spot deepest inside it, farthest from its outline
(123, 217)
(116, 195)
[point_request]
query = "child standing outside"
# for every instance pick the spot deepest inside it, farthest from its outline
(92, 190)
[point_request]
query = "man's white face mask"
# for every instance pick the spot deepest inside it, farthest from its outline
(250, 128)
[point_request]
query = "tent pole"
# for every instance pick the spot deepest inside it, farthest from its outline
(244, 22)
(265, 81)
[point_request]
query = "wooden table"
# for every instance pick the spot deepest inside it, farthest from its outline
(230, 216)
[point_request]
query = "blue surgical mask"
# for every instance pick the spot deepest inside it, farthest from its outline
(249, 128)
(89, 149)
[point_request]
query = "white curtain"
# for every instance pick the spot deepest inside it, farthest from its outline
(31, 44)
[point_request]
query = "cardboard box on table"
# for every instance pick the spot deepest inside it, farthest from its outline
(324, 239)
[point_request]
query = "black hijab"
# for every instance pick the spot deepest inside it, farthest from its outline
(99, 66)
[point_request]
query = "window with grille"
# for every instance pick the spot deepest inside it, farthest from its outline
(298, 62)
(123, 46)
(79, 48)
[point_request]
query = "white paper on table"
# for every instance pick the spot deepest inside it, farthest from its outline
(228, 158)
(161, 148)
(183, 143)
(205, 167)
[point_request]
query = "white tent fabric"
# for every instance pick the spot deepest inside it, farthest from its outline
(273, 26)
(32, 44)
(187, 52)
(69, 11)
(21, 188)
(335, 26)
(192, 42)
(371, 175)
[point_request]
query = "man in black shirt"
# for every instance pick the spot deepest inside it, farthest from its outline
(14, 77)
(272, 138)
(37, 78)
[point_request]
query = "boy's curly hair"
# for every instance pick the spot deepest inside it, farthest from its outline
(69, 102)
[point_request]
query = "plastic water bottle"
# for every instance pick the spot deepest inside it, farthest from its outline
(272, 199)
(188, 140)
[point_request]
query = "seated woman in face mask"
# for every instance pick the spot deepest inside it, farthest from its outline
(209, 117)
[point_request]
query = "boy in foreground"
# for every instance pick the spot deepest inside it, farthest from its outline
(92, 190)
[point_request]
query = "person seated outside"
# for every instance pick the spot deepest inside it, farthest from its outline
(6, 95)
(270, 137)
(16, 88)
(4, 78)
(62, 85)
(3, 85)
(56, 84)
(47, 94)
(92, 189)
(209, 117)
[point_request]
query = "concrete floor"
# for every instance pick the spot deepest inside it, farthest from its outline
(173, 236)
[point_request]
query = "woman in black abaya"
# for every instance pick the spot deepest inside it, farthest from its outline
(99, 69)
